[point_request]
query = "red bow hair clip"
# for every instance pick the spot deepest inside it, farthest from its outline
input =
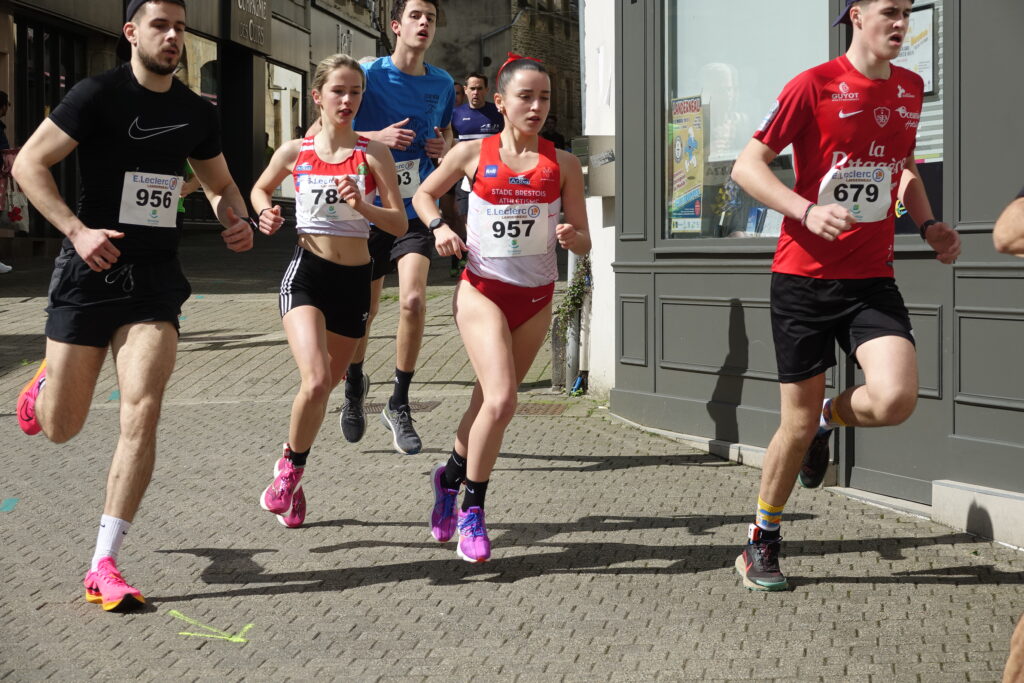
(512, 56)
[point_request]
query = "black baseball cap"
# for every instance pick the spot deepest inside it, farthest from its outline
(844, 18)
(124, 48)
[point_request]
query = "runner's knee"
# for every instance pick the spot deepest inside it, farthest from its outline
(140, 416)
(895, 404)
(316, 385)
(65, 429)
(414, 304)
(500, 409)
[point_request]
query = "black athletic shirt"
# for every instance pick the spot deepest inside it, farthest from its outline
(122, 127)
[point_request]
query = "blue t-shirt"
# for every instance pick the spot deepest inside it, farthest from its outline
(391, 95)
(474, 124)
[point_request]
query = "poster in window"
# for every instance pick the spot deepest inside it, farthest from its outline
(918, 51)
(687, 151)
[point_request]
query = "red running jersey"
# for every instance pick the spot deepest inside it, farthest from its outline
(851, 136)
(510, 229)
(318, 208)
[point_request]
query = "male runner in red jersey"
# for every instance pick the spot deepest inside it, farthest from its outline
(853, 124)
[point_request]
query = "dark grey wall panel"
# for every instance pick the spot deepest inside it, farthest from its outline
(632, 132)
(691, 416)
(711, 335)
(991, 143)
(633, 324)
(986, 334)
(927, 325)
(634, 333)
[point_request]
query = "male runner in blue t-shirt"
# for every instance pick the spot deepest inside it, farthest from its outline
(408, 106)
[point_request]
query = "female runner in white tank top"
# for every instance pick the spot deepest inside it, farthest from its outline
(325, 291)
(520, 184)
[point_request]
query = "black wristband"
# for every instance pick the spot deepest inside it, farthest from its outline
(923, 228)
(262, 210)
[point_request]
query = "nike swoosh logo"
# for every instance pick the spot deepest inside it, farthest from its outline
(540, 299)
(137, 132)
(846, 115)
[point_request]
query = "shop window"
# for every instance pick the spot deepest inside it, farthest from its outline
(285, 119)
(198, 67)
(726, 64)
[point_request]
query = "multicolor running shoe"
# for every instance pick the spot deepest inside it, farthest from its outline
(474, 545)
(277, 497)
(758, 564)
(442, 517)
(105, 586)
(296, 514)
(27, 402)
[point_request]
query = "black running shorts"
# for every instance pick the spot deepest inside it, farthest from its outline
(386, 248)
(809, 315)
(87, 308)
(341, 293)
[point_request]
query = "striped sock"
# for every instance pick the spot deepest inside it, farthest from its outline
(829, 416)
(769, 517)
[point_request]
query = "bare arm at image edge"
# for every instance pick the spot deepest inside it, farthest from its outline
(1008, 234)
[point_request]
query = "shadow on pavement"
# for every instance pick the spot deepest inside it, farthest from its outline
(616, 462)
(238, 566)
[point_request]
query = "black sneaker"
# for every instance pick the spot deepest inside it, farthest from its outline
(816, 460)
(758, 564)
(399, 421)
(353, 421)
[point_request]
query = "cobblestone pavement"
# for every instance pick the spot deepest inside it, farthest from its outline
(613, 548)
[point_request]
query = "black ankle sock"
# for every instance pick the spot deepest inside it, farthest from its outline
(400, 396)
(476, 492)
(454, 471)
(355, 374)
(299, 459)
(771, 536)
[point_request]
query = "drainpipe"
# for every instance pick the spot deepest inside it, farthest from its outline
(487, 36)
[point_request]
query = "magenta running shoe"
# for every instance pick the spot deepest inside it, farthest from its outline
(296, 514)
(277, 497)
(107, 587)
(442, 517)
(27, 402)
(474, 546)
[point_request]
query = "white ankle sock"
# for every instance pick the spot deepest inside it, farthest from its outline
(108, 542)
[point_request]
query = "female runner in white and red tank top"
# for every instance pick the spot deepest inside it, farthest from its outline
(325, 292)
(520, 184)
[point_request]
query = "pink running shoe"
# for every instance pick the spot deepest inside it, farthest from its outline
(474, 545)
(442, 517)
(277, 497)
(27, 402)
(296, 514)
(107, 587)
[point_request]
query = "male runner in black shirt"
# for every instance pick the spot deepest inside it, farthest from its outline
(117, 281)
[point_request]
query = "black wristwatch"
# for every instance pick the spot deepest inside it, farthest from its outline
(436, 223)
(924, 226)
